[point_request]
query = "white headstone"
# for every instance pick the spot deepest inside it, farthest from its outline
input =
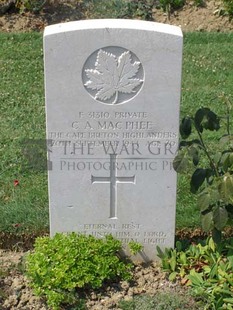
(112, 98)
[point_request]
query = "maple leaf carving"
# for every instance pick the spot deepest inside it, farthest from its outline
(112, 75)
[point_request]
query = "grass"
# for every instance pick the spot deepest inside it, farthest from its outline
(161, 301)
(207, 72)
(22, 115)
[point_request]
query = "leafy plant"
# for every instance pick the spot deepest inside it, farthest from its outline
(135, 247)
(212, 178)
(142, 9)
(30, 5)
(169, 6)
(206, 268)
(60, 265)
(228, 5)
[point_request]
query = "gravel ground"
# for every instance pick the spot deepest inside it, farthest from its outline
(15, 292)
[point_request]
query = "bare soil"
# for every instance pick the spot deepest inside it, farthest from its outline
(190, 18)
(16, 294)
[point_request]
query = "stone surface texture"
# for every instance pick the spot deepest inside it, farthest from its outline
(112, 101)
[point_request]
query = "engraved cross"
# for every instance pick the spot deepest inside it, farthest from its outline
(113, 180)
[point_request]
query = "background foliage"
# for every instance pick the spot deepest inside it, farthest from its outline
(142, 9)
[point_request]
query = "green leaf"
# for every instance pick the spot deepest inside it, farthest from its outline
(197, 179)
(225, 189)
(191, 142)
(217, 157)
(231, 159)
(203, 200)
(181, 162)
(178, 246)
(220, 217)
(207, 221)
(182, 272)
(194, 154)
(211, 244)
(172, 276)
(213, 271)
(216, 235)
(226, 141)
(207, 197)
(183, 258)
(186, 127)
(228, 300)
(160, 253)
(199, 116)
(227, 161)
(166, 265)
(213, 122)
(206, 119)
(173, 262)
(195, 278)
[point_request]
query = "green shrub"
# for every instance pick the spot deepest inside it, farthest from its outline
(169, 6)
(30, 5)
(228, 5)
(119, 9)
(142, 9)
(212, 178)
(206, 268)
(135, 247)
(59, 266)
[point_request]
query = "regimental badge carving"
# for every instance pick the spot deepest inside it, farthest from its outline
(113, 75)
